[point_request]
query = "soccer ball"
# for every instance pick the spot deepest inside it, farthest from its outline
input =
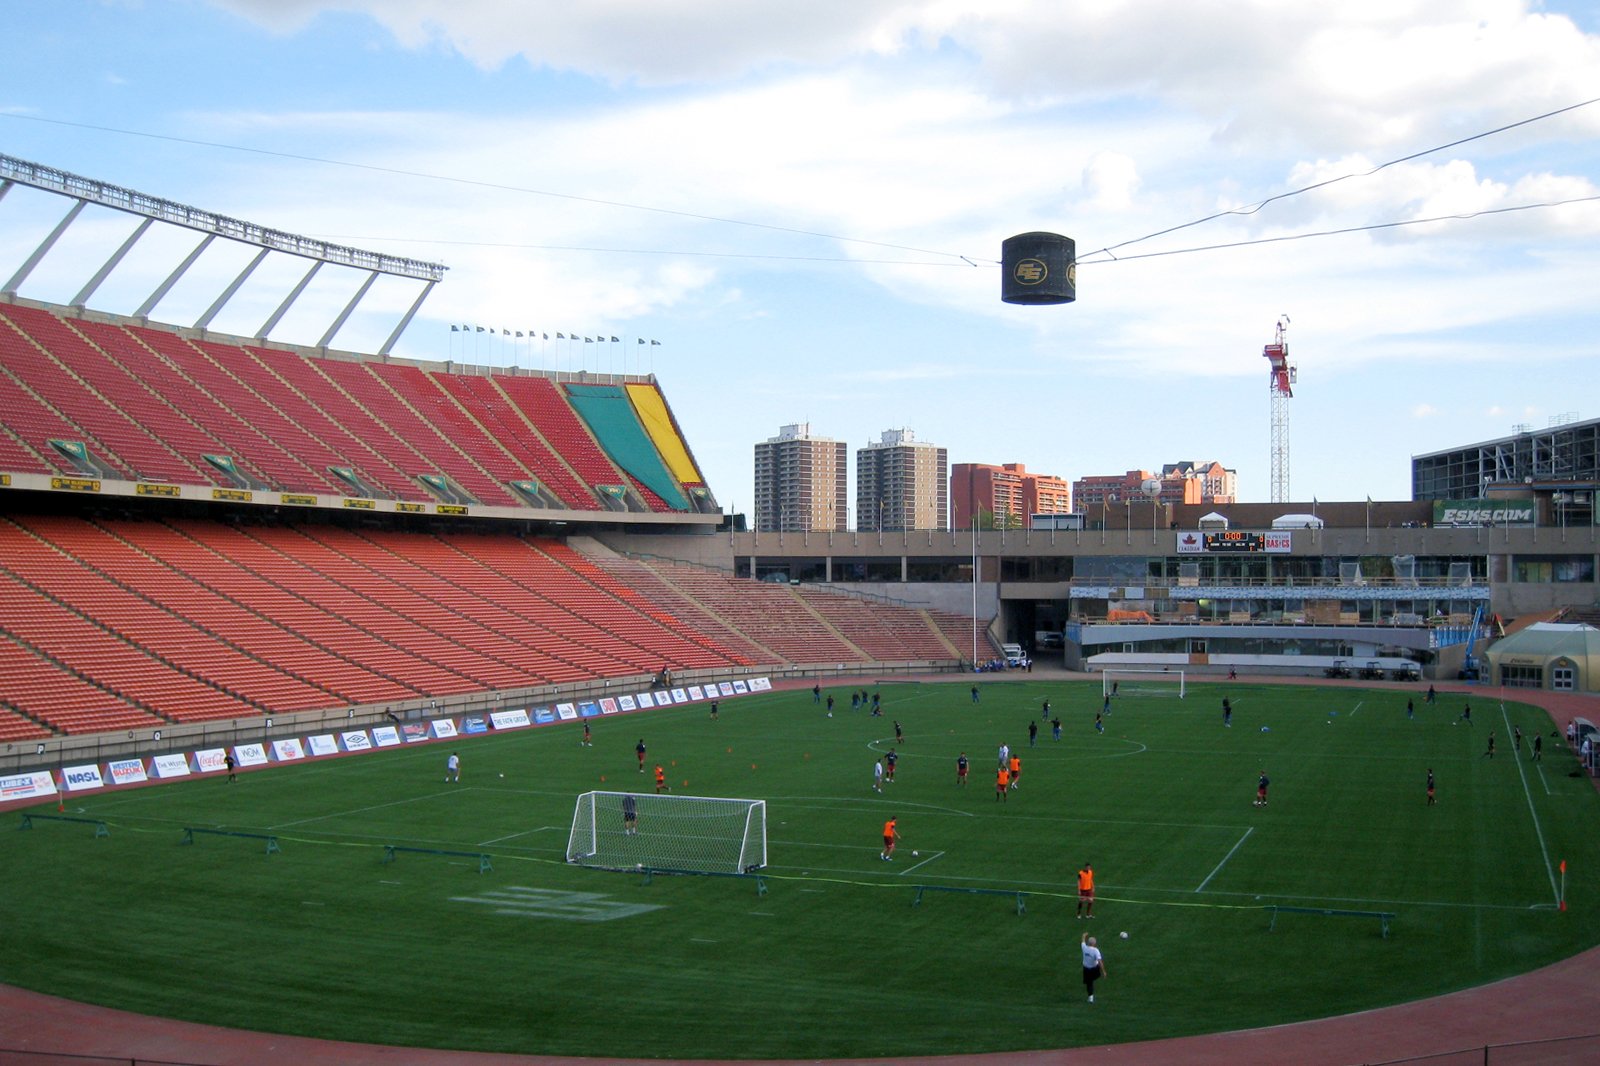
(913, 854)
(502, 775)
(1123, 934)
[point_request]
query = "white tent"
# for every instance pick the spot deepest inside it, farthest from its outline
(1564, 655)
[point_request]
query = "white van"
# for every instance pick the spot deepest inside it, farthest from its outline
(1014, 655)
(1298, 521)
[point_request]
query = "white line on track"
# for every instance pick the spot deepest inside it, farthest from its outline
(1225, 859)
(1537, 828)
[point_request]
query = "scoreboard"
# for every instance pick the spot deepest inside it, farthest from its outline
(1233, 540)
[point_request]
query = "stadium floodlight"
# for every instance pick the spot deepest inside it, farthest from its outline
(1134, 682)
(686, 834)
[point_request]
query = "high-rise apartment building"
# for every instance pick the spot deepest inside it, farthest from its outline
(1003, 497)
(801, 482)
(902, 483)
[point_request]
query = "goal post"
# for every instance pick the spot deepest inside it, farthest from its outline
(688, 834)
(1145, 682)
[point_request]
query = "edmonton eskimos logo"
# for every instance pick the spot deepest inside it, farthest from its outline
(1029, 272)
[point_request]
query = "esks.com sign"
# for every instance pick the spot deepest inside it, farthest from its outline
(1483, 513)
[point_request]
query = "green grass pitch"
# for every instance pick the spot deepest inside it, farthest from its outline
(324, 939)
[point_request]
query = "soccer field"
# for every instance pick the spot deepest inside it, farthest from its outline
(323, 938)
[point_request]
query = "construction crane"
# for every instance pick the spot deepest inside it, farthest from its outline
(1281, 382)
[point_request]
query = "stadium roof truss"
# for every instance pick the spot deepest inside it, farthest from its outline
(84, 191)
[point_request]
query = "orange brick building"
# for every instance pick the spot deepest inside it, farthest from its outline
(1004, 496)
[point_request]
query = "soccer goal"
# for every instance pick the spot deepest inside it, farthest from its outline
(690, 834)
(1126, 682)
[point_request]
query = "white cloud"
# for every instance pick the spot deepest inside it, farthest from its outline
(927, 129)
(1110, 179)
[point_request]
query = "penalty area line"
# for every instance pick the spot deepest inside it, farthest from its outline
(1225, 859)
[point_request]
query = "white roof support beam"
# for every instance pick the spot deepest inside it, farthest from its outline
(283, 308)
(172, 278)
(349, 307)
(44, 246)
(227, 294)
(110, 264)
(406, 321)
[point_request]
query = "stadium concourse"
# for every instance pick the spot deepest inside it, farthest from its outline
(1550, 1016)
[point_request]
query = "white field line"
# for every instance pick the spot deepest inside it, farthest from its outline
(524, 833)
(921, 864)
(1356, 708)
(364, 810)
(1537, 828)
(1225, 859)
(1542, 779)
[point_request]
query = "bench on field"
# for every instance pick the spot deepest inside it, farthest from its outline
(1384, 917)
(650, 871)
(28, 818)
(390, 852)
(1020, 897)
(189, 832)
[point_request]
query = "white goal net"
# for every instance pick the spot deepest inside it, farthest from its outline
(692, 834)
(1127, 682)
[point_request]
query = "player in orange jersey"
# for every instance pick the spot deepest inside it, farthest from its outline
(891, 836)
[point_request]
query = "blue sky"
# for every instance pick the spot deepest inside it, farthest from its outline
(783, 196)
